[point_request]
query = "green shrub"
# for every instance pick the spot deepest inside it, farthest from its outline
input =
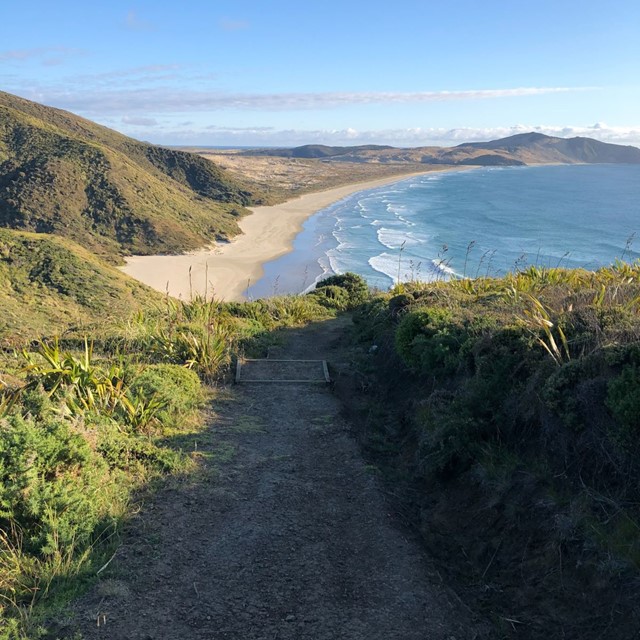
(50, 483)
(400, 303)
(204, 349)
(355, 285)
(332, 297)
(623, 400)
(560, 390)
(177, 389)
(449, 437)
(372, 319)
(135, 454)
(429, 340)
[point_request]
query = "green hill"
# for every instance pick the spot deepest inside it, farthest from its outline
(520, 149)
(65, 175)
(48, 284)
(537, 147)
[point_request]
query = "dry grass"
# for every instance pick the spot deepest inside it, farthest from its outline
(282, 178)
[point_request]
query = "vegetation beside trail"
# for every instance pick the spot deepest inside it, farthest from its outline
(88, 422)
(506, 414)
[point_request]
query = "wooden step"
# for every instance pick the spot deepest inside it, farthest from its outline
(284, 371)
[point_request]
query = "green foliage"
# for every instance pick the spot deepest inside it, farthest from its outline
(332, 297)
(623, 400)
(429, 341)
(135, 454)
(178, 390)
(400, 303)
(48, 284)
(85, 386)
(49, 484)
(372, 318)
(204, 350)
(560, 391)
(355, 286)
(542, 366)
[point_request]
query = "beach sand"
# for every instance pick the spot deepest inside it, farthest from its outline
(227, 269)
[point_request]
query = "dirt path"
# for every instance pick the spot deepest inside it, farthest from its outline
(285, 536)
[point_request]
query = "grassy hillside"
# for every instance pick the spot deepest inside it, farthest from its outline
(65, 175)
(48, 284)
(552, 149)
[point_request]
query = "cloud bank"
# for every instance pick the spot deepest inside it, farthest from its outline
(46, 56)
(415, 137)
(156, 100)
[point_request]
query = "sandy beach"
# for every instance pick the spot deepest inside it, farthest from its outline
(227, 269)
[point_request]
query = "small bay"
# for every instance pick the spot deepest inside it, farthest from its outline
(478, 222)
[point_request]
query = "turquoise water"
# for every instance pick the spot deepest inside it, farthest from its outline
(475, 222)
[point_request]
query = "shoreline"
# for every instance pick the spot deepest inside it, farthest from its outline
(226, 270)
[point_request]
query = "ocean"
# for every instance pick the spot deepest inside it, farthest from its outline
(470, 223)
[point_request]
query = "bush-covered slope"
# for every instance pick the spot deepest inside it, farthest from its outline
(509, 410)
(65, 175)
(48, 284)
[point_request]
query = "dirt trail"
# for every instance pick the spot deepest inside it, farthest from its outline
(285, 536)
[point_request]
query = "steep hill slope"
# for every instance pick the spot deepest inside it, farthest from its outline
(48, 284)
(65, 175)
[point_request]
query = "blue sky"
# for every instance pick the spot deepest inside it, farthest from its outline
(281, 72)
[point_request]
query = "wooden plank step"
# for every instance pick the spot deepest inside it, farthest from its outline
(285, 371)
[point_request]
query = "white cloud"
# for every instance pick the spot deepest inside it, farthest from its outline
(47, 56)
(144, 71)
(415, 137)
(233, 25)
(118, 79)
(139, 121)
(170, 100)
(134, 23)
(237, 130)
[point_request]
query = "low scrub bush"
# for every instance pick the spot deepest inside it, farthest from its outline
(356, 287)
(372, 319)
(51, 484)
(542, 366)
(136, 455)
(623, 400)
(332, 296)
(429, 340)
